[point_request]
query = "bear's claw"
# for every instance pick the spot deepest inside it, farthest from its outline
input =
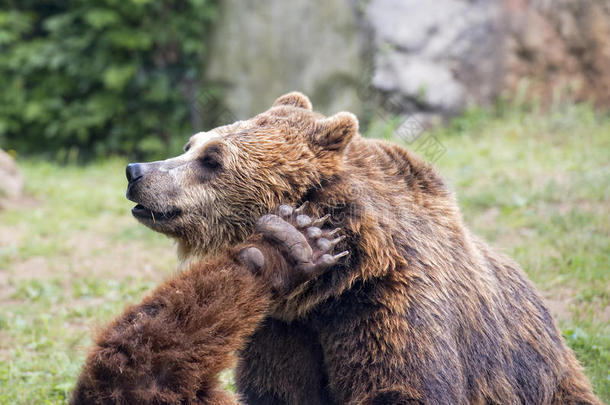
(320, 221)
(300, 209)
(302, 241)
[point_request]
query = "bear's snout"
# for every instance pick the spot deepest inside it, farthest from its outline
(134, 172)
(136, 175)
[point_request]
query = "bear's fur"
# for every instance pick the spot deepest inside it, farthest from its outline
(170, 348)
(422, 311)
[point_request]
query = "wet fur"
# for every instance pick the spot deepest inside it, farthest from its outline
(422, 312)
(170, 348)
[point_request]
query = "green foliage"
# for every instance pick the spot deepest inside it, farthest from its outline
(84, 78)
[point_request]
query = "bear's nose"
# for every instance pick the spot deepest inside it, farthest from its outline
(133, 172)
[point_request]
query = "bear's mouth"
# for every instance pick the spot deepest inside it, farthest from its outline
(142, 212)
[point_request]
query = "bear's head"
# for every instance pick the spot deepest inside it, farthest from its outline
(211, 195)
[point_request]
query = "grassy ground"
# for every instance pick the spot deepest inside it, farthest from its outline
(536, 186)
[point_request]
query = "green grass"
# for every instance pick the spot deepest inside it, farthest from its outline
(536, 185)
(71, 257)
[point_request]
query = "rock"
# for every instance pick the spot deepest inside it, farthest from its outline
(563, 46)
(266, 48)
(11, 181)
(424, 81)
(432, 59)
(464, 52)
(440, 55)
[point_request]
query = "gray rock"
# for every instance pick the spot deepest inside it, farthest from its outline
(430, 58)
(263, 49)
(423, 80)
(441, 55)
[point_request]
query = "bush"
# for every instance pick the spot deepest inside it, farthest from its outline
(85, 78)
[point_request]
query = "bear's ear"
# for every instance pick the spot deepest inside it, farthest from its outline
(294, 99)
(334, 133)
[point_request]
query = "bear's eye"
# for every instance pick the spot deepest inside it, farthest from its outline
(210, 162)
(211, 159)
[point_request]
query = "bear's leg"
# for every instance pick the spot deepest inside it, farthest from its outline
(282, 364)
(170, 348)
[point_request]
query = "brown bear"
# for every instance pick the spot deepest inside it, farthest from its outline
(421, 311)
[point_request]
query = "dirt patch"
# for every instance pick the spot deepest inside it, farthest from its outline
(559, 302)
(5, 290)
(95, 249)
(9, 236)
(563, 304)
(97, 256)
(6, 350)
(20, 202)
(34, 267)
